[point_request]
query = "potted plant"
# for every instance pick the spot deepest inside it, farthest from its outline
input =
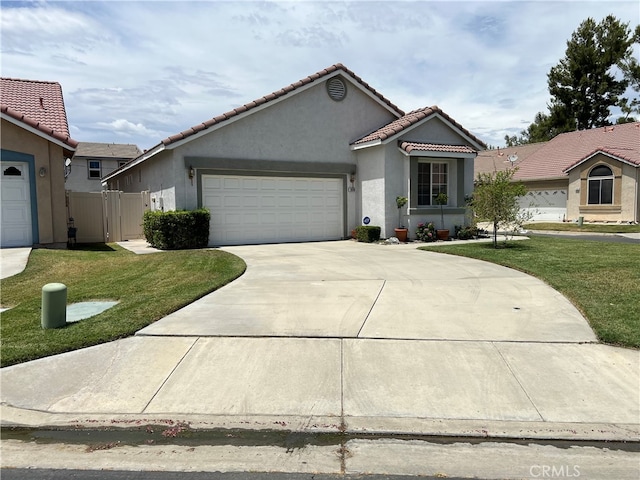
(442, 199)
(401, 231)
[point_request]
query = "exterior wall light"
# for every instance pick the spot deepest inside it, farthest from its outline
(43, 171)
(352, 179)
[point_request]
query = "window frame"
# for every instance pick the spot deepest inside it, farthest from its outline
(600, 179)
(433, 193)
(91, 169)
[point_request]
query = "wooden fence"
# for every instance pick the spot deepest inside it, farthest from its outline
(107, 216)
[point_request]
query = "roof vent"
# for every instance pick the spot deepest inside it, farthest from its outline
(336, 88)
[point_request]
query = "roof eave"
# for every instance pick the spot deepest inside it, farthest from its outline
(602, 152)
(476, 145)
(360, 146)
(540, 179)
(136, 161)
(67, 146)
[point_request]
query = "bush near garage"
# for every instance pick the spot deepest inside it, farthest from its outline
(177, 230)
(368, 233)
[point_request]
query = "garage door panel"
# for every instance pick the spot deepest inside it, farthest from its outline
(285, 201)
(211, 182)
(273, 209)
(250, 184)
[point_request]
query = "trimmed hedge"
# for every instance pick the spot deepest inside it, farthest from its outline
(177, 230)
(368, 233)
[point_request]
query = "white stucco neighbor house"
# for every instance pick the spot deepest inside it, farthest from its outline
(310, 162)
(93, 160)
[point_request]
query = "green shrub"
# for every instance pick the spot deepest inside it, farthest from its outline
(368, 233)
(466, 232)
(177, 230)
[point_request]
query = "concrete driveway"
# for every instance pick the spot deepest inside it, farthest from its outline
(344, 336)
(355, 290)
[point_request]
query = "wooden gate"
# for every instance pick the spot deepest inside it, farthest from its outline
(108, 216)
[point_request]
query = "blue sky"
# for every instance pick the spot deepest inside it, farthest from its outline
(137, 72)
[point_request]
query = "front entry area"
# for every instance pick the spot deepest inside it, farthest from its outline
(265, 209)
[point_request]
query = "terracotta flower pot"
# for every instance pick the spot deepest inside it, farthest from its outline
(442, 234)
(401, 234)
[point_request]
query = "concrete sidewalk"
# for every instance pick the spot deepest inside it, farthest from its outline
(343, 336)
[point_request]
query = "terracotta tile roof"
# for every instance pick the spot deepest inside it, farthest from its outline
(630, 155)
(277, 94)
(410, 119)
(37, 104)
(434, 147)
(107, 150)
(556, 156)
(496, 160)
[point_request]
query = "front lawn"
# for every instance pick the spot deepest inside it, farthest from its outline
(601, 279)
(148, 288)
(586, 227)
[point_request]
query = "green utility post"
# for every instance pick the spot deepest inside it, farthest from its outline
(54, 305)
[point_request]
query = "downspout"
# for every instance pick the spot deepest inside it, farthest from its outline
(637, 209)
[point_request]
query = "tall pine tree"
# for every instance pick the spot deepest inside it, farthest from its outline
(583, 86)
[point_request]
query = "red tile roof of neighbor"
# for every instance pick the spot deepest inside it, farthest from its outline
(37, 104)
(495, 160)
(559, 154)
(410, 119)
(553, 159)
(277, 94)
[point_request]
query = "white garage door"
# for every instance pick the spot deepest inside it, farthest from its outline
(16, 205)
(546, 205)
(252, 209)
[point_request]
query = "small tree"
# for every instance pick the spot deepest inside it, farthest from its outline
(442, 199)
(400, 202)
(495, 200)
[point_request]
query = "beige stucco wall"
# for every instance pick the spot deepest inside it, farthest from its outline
(625, 193)
(50, 189)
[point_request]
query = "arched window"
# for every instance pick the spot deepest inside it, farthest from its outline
(12, 172)
(600, 186)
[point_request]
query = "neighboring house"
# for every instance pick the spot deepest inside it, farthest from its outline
(35, 143)
(92, 161)
(593, 174)
(310, 162)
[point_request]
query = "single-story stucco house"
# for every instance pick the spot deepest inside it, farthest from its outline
(311, 162)
(94, 160)
(35, 145)
(593, 174)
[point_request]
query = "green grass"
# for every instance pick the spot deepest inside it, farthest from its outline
(601, 279)
(148, 288)
(586, 227)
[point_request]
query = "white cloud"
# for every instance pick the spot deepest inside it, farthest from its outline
(150, 69)
(125, 128)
